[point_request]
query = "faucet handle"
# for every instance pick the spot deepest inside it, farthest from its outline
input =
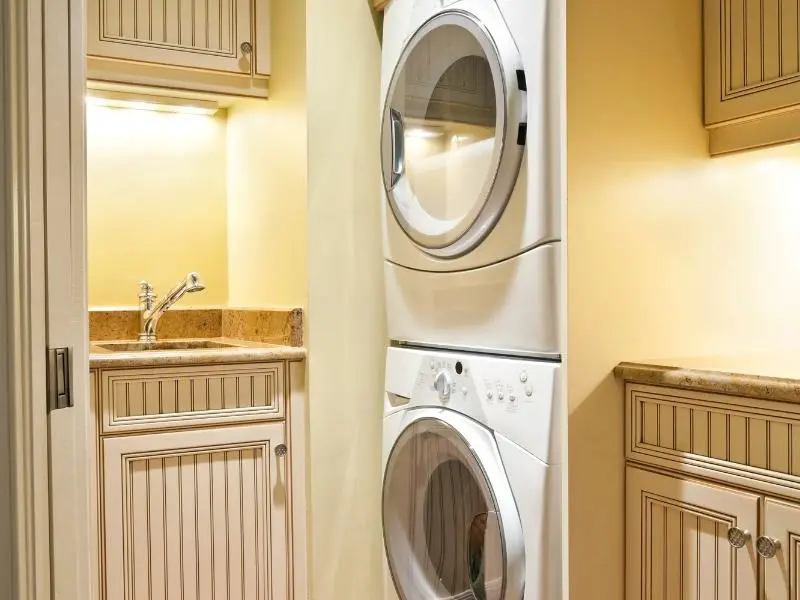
(146, 291)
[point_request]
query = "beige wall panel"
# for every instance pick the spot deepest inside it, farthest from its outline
(267, 158)
(156, 204)
(346, 323)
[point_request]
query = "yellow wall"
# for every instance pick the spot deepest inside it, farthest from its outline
(345, 313)
(267, 176)
(156, 204)
(671, 253)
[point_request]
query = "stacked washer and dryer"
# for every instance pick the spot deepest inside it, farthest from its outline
(473, 165)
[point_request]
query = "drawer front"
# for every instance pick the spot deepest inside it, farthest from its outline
(749, 442)
(179, 397)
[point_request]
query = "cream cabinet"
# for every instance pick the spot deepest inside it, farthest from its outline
(752, 73)
(203, 45)
(782, 572)
(201, 482)
(712, 496)
(196, 514)
(677, 539)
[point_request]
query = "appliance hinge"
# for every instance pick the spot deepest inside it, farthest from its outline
(59, 378)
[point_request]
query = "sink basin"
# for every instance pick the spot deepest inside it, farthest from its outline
(158, 346)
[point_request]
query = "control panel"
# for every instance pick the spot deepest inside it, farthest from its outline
(516, 398)
(452, 378)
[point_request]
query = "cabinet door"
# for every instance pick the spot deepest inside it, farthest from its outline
(782, 571)
(677, 546)
(196, 514)
(202, 34)
(752, 57)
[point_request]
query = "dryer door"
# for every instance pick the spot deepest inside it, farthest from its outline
(454, 129)
(451, 526)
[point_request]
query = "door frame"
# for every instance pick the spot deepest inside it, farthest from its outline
(42, 172)
(26, 514)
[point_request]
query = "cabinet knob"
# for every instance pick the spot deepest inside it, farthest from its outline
(767, 547)
(281, 450)
(246, 47)
(738, 537)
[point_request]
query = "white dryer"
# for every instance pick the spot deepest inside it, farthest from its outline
(471, 477)
(472, 147)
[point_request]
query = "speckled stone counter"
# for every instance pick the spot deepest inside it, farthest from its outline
(242, 351)
(774, 376)
(271, 326)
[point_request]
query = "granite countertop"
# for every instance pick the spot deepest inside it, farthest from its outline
(771, 376)
(240, 352)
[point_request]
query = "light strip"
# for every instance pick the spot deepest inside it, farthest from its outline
(169, 104)
(424, 133)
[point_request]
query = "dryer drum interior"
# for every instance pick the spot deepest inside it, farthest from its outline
(443, 529)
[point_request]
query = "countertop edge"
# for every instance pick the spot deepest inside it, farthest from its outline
(177, 358)
(708, 380)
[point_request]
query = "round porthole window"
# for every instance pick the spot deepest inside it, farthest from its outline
(442, 526)
(450, 147)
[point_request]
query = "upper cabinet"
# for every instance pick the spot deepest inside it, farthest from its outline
(204, 45)
(752, 73)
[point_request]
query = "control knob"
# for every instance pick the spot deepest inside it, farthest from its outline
(443, 383)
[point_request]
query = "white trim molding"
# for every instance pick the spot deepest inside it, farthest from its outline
(22, 353)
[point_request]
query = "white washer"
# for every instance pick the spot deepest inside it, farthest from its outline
(471, 477)
(473, 168)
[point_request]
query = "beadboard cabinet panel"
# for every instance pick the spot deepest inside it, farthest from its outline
(176, 397)
(752, 73)
(201, 34)
(782, 572)
(742, 441)
(677, 544)
(209, 46)
(752, 57)
(197, 514)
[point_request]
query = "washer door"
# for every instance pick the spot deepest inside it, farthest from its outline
(453, 131)
(451, 526)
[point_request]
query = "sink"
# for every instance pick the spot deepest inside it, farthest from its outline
(158, 346)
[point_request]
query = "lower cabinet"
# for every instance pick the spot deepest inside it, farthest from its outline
(678, 539)
(713, 496)
(197, 514)
(200, 478)
(781, 536)
(689, 539)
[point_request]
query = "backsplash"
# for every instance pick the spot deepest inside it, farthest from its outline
(271, 326)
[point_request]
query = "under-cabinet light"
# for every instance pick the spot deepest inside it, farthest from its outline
(425, 133)
(151, 103)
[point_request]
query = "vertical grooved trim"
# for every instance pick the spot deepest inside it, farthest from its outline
(258, 533)
(196, 525)
(164, 525)
(180, 525)
(149, 541)
(225, 458)
(211, 524)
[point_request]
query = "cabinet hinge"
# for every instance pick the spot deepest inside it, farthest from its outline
(59, 378)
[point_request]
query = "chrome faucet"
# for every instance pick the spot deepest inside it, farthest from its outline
(150, 311)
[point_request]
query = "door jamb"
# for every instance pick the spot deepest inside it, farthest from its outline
(24, 303)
